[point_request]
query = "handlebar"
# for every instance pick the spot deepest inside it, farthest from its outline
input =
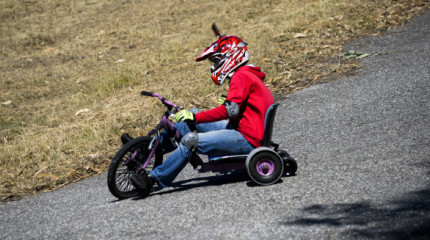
(166, 102)
(145, 93)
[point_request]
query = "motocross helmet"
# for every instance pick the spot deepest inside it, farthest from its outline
(227, 54)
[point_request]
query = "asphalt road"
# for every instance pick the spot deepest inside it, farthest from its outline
(362, 144)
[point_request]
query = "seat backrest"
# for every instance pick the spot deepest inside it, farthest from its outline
(268, 124)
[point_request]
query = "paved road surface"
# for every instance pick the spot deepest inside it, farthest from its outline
(362, 144)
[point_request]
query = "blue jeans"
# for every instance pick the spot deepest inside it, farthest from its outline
(216, 139)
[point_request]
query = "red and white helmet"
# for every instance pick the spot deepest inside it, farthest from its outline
(227, 54)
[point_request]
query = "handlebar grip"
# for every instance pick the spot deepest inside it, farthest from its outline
(145, 93)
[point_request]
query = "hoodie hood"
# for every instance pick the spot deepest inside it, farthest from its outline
(253, 69)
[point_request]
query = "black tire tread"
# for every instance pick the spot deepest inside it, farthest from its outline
(113, 167)
(273, 178)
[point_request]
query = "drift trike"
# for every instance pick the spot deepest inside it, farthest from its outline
(265, 165)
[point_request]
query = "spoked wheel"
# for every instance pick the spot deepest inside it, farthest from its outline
(128, 161)
(290, 164)
(264, 167)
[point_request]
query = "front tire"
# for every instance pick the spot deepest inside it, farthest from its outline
(126, 163)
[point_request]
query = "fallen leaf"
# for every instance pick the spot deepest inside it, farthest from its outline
(299, 35)
(7, 102)
(120, 60)
(82, 111)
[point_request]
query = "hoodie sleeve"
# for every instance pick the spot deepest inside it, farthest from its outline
(238, 92)
(215, 114)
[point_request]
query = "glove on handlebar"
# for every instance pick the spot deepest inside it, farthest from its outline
(221, 100)
(187, 117)
(184, 115)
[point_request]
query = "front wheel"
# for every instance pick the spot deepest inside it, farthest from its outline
(126, 162)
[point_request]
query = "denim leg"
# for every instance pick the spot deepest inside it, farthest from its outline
(217, 143)
(213, 126)
(172, 166)
(166, 143)
(223, 142)
(202, 127)
(182, 128)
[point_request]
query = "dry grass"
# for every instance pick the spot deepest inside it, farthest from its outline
(58, 57)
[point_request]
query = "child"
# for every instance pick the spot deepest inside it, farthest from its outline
(234, 127)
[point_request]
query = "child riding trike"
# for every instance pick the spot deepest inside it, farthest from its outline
(265, 165)
(242, 141)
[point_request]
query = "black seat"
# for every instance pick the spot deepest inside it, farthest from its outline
(267, 139)
(268, 124)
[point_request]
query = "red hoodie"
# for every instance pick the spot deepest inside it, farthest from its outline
(248, 90)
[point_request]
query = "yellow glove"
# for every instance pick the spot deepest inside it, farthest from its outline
(221, 100)
(184, 115)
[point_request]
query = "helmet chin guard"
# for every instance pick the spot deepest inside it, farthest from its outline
(227, 54)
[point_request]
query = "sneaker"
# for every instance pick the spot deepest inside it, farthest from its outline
(142, 182)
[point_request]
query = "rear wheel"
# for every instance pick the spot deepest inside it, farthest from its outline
(126, 162)
(290, 165)
(265, 167)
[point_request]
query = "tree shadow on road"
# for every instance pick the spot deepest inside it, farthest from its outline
(407, 217)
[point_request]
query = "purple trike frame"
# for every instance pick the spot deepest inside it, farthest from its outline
(265, 165)
(215, 164)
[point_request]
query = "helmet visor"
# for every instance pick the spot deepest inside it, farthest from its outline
(215, 60)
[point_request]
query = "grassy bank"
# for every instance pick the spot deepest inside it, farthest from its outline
(71, 71)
